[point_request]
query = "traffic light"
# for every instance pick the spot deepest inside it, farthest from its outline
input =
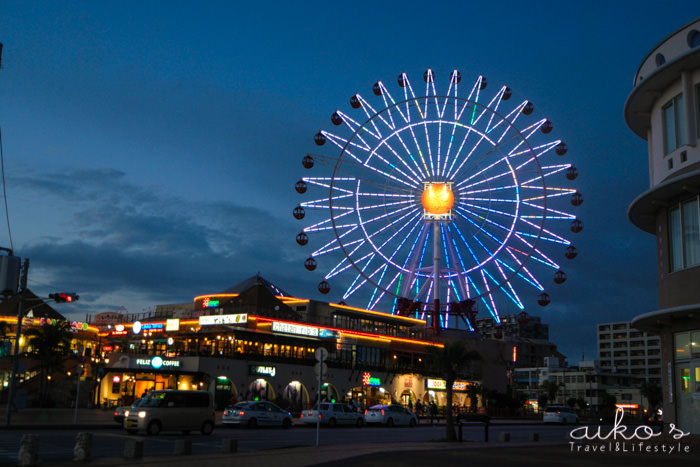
(64, 297)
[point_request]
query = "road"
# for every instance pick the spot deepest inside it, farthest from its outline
(57, 445)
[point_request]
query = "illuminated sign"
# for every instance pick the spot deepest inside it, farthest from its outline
(515, 354)
(435, 384)
(441, 384)
(209, 303)
(136, 328)
(119, 333)
(369, 380)
(223, 319)
(327, 333)
(116, 379)
(172, 324)
(294, 329)
(107, 348)
(262, 370)
(152, 327)
(157, 362)
(627, 406)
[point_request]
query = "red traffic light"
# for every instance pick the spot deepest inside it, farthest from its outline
(64, 297)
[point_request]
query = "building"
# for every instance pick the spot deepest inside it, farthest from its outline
(589, 384)
(624, 349)
(664, 109)
(255, 341)
(528, 334)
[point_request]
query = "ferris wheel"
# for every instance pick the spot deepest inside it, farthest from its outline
(437, 200)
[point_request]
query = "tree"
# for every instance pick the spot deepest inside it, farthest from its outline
(551, 388)
(449, 362)
(50, 346)
(654, 394)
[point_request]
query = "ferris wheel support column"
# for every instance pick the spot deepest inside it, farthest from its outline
(436, 276)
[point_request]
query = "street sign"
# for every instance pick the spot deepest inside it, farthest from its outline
(321, 354)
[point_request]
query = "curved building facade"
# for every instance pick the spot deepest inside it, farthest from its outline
(664, 109)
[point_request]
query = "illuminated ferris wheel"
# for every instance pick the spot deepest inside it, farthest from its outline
(435, 203)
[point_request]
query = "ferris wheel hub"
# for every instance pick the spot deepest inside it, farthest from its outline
(437, 200)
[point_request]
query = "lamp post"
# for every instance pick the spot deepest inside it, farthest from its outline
(15, 356)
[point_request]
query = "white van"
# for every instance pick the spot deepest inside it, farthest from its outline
(172, 410)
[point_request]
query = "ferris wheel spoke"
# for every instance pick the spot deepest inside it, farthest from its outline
(550, 237)
(335, 245)
(354, 287)
(346, 264)
(385, 93)
(416, 176)
(430, 86)
(315, 204)
(325, 183)
(533, 154)
(527, 276)
(376, 155)
(376, 289)
(371, 113)
(513, 295)
(550, 213)
(327, 224)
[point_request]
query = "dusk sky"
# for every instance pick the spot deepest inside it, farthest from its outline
(151, 148)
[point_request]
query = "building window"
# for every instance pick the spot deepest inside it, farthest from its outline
(684, 234)
(674, 124)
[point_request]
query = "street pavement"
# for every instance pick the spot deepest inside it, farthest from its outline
(533, 453)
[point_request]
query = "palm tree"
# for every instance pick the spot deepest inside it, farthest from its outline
(551, 388)
(50, 345)
(450, 362)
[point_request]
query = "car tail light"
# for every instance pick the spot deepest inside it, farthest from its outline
(558, 412)
(241, 413)
(382, 412)
(302, 415)
(365, 411)
(115, 414)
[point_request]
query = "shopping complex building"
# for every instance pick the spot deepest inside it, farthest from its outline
(664, 109)
(255, 341)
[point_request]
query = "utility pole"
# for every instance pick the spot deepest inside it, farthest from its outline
(15, 355)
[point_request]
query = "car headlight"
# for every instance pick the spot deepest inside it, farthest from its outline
(143, 414)
(126, 413)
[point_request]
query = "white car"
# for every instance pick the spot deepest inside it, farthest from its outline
(390, 415)
(254, 414)
(332, 415)
(559, 414)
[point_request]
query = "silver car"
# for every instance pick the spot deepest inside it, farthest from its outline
(332, 415)
(254, 414)
(390, 415)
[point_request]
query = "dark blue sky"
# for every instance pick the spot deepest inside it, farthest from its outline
(151, 150)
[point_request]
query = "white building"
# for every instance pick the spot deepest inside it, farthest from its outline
(664, 109)
(624, 349)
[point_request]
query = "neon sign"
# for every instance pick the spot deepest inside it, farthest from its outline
(369, 380)
(289, 328)
(157, 362)
(240, 318)
(263, 370)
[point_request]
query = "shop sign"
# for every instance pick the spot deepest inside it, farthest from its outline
(262, 370)
(408, 382)
(294, 329)
(627, 406)
(158, 362)
(369, 380)
(208, 320)
(327, 333)
(152, 327)
(119, 333)
(172, 324)
(441, 384)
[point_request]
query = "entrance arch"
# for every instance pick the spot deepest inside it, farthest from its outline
(296, 397)
(260, 390)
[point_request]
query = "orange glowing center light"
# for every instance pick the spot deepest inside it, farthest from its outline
(438, 198)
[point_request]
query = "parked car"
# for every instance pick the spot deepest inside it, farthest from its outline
(254, 414)
(332, 414)
(390, 415)
(559, 414)
(656, 419)
(169, 410)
